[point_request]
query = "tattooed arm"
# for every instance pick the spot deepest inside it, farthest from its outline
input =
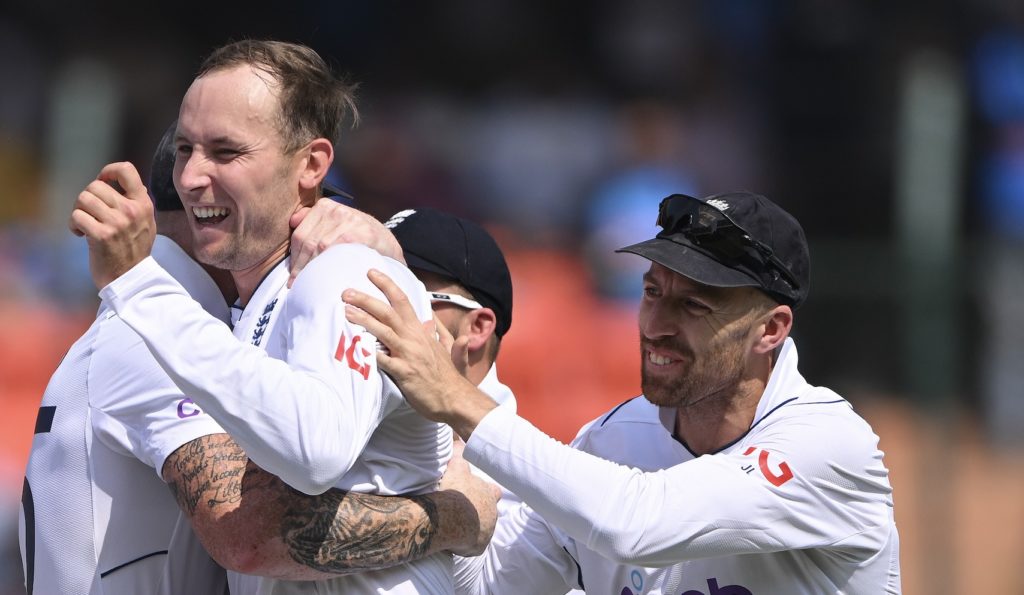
(252, 522)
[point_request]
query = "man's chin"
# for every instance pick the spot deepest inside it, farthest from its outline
(658, 394)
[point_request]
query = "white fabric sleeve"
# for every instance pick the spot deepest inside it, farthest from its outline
(306, 425)
(714, 505)
(136, 407)
(525, 555)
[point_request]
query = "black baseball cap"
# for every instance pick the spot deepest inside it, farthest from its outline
(737, 239)
(161, 174)
(460, 250)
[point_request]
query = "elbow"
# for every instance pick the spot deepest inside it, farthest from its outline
(237, 540)
(233, 552)
(625, 546)
(242, 558)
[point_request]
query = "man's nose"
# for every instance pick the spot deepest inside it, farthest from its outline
(194, 172)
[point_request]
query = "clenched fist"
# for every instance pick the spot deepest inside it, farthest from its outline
(115, 214)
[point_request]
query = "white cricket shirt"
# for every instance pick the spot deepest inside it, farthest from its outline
(799, 505)
(504, 397)
(301, 392)
(96, 516)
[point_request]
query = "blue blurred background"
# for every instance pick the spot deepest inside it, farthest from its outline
(893, 131)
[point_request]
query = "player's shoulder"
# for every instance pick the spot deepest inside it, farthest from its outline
(111, 338)
(818, 424)
(347, 265)
(637, 411)
(632, 434)
(821, 410)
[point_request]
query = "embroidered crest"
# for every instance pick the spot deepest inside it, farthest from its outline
(261, 324)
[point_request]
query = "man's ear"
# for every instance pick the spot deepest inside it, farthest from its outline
(316, 162)
(774, 329)
(479, 325)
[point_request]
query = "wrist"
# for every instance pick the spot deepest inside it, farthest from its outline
(466, 405)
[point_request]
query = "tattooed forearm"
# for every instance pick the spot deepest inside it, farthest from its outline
(252, 522)
(207, 471)
(340, 532)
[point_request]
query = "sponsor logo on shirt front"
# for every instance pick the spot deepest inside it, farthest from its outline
(637, 582)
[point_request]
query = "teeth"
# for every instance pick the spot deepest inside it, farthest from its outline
(207, 212)
(657, 359)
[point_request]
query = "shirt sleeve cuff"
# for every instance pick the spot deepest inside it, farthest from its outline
(492, 433)
(138, 278)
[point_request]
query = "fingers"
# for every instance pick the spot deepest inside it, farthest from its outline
(126, 176)
(82, 223)
(443, 334)
(116, 196)
(115, 214)
(95, 207)
(298, 217)
(460, 354)
(371, 314)
(363, 306)
(300, 253)
(399, 301)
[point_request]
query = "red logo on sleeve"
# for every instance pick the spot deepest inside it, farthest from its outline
(777, 479)
(350, 356)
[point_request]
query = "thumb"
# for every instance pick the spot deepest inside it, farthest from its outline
(460, 354)
(298, 216)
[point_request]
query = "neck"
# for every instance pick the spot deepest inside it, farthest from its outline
(707, 426)
(247, 280)
(478, 367)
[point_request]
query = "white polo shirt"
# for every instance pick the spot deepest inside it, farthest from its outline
(96, 516)
(799, 505)
(301, 392)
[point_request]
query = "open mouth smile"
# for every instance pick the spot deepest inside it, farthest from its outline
(210, 215)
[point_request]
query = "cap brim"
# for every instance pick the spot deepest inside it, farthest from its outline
(690, 262)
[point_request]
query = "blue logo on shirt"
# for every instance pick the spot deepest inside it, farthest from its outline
(261, 324)
(713, 588)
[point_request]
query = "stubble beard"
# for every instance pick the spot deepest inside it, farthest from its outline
(710, 379)
(246, 248)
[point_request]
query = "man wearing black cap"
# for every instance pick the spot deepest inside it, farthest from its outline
(468, 283)
(470, 287)
(734, 475)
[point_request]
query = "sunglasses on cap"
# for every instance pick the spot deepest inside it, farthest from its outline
(723, 239)
(451, 298)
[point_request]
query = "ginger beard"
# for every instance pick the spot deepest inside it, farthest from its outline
(716, 370)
